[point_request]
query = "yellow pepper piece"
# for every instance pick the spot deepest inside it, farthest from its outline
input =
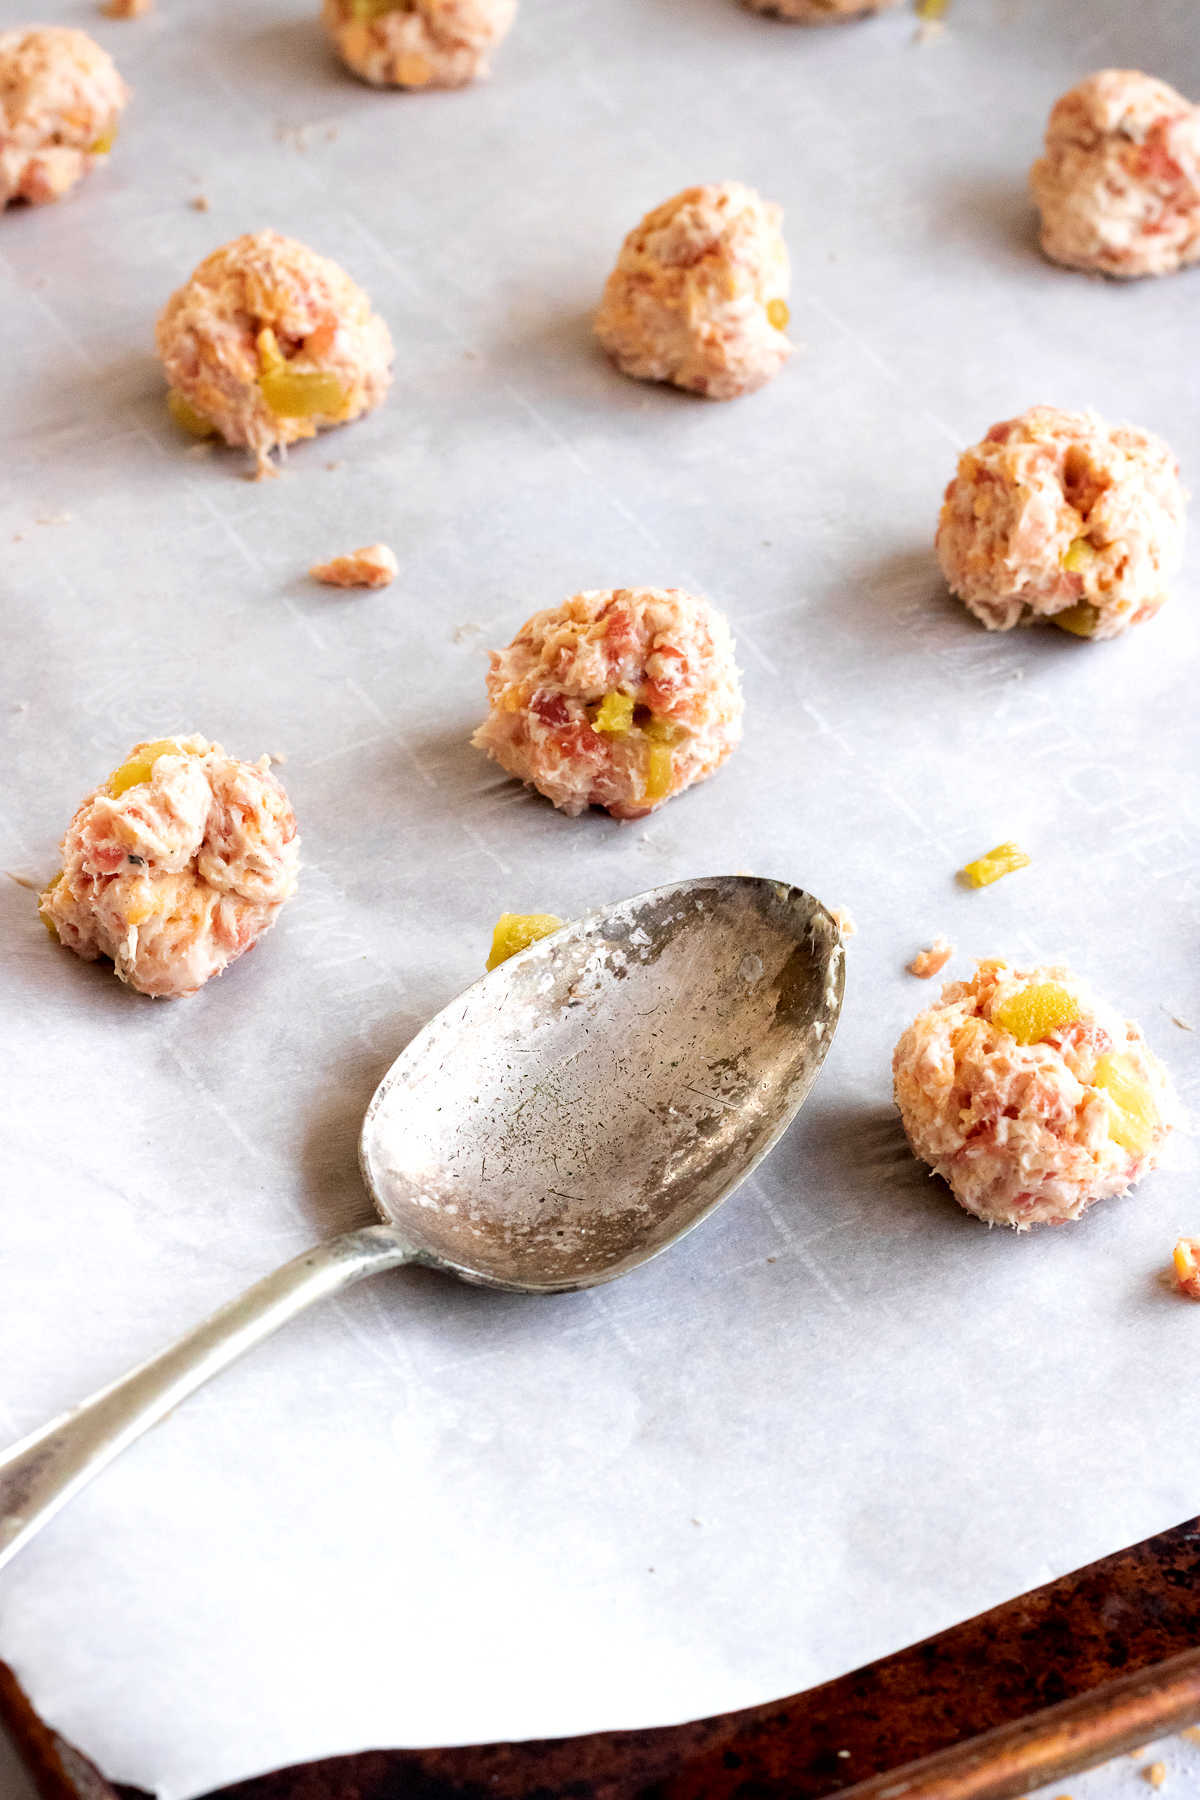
(1079, 555)
(138, 768)
(270, 356)
(1080, 620)
(1132, 1115)
(143, 908)
(186, 416)
(615, 714)
(662, 731)
(1000, 861)
(778, 314)
(932, 9)
(659, 770)
(516, 931)
(104, 142)
(1036, 1011)
(293, 393)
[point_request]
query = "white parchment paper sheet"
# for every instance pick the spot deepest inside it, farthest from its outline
(841, 1415)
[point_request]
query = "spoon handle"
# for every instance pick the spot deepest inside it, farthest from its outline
(44, 1470)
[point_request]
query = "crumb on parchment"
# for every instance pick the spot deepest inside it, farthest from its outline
(843, 920)
(1155, 1773)
(1186, 1259)
(931, 20)
(374, 566)
(927, 963)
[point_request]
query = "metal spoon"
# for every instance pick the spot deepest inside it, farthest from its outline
(565, 1119)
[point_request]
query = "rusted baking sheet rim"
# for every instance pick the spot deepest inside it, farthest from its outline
(1095, 1663)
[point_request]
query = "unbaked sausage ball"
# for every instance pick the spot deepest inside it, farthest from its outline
(618, 698)
(1119, 185)
(418, 43)
(268, 343)
(699, 294)
(172, 868)
(820, 12)
(61, 100)
(1029, 1096)
(1057, 515)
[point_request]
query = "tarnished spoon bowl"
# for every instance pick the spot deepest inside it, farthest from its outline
(568, 1117)
(585, 1104)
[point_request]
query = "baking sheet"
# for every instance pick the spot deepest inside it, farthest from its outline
(842, 1414)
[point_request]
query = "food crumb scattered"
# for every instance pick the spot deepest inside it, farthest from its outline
(1000, 861)
(23, 881)
(927, 963)
(931, 20)
(126, 9)
(1191, 1734)
(1155, 1773)
(199, 202)
(1176, 1020)
(54, 519)
(1186, 1258)
(516, 931)
(842, 919)
(374, 566)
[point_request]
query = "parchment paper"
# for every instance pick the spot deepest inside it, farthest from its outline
(842, 1414)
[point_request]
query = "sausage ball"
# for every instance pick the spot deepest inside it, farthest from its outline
(418, 43)
(1119, 185)
(618, 698)
(699, 294)
(61, 100)
(1057, 515)
(178, 863)
(1029, 1096)
(268, 343)
(820, 12)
